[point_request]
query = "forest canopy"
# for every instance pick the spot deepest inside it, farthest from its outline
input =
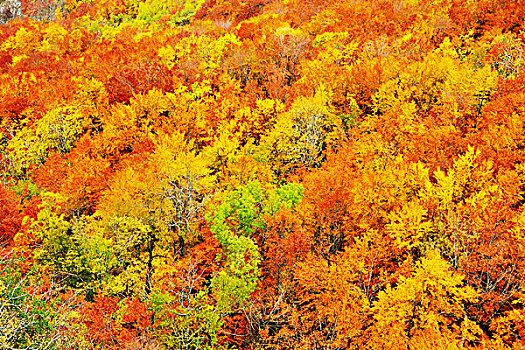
(262, 174)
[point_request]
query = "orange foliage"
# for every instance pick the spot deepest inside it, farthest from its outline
(282, 174)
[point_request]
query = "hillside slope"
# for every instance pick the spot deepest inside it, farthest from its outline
(262, 174)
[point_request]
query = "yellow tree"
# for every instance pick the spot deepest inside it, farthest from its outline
(425, 310)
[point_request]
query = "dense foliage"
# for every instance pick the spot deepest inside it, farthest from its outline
(262, 174)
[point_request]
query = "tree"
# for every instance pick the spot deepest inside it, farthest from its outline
(33, 315)
(185, 183)
(426, 308)
(10, 216)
